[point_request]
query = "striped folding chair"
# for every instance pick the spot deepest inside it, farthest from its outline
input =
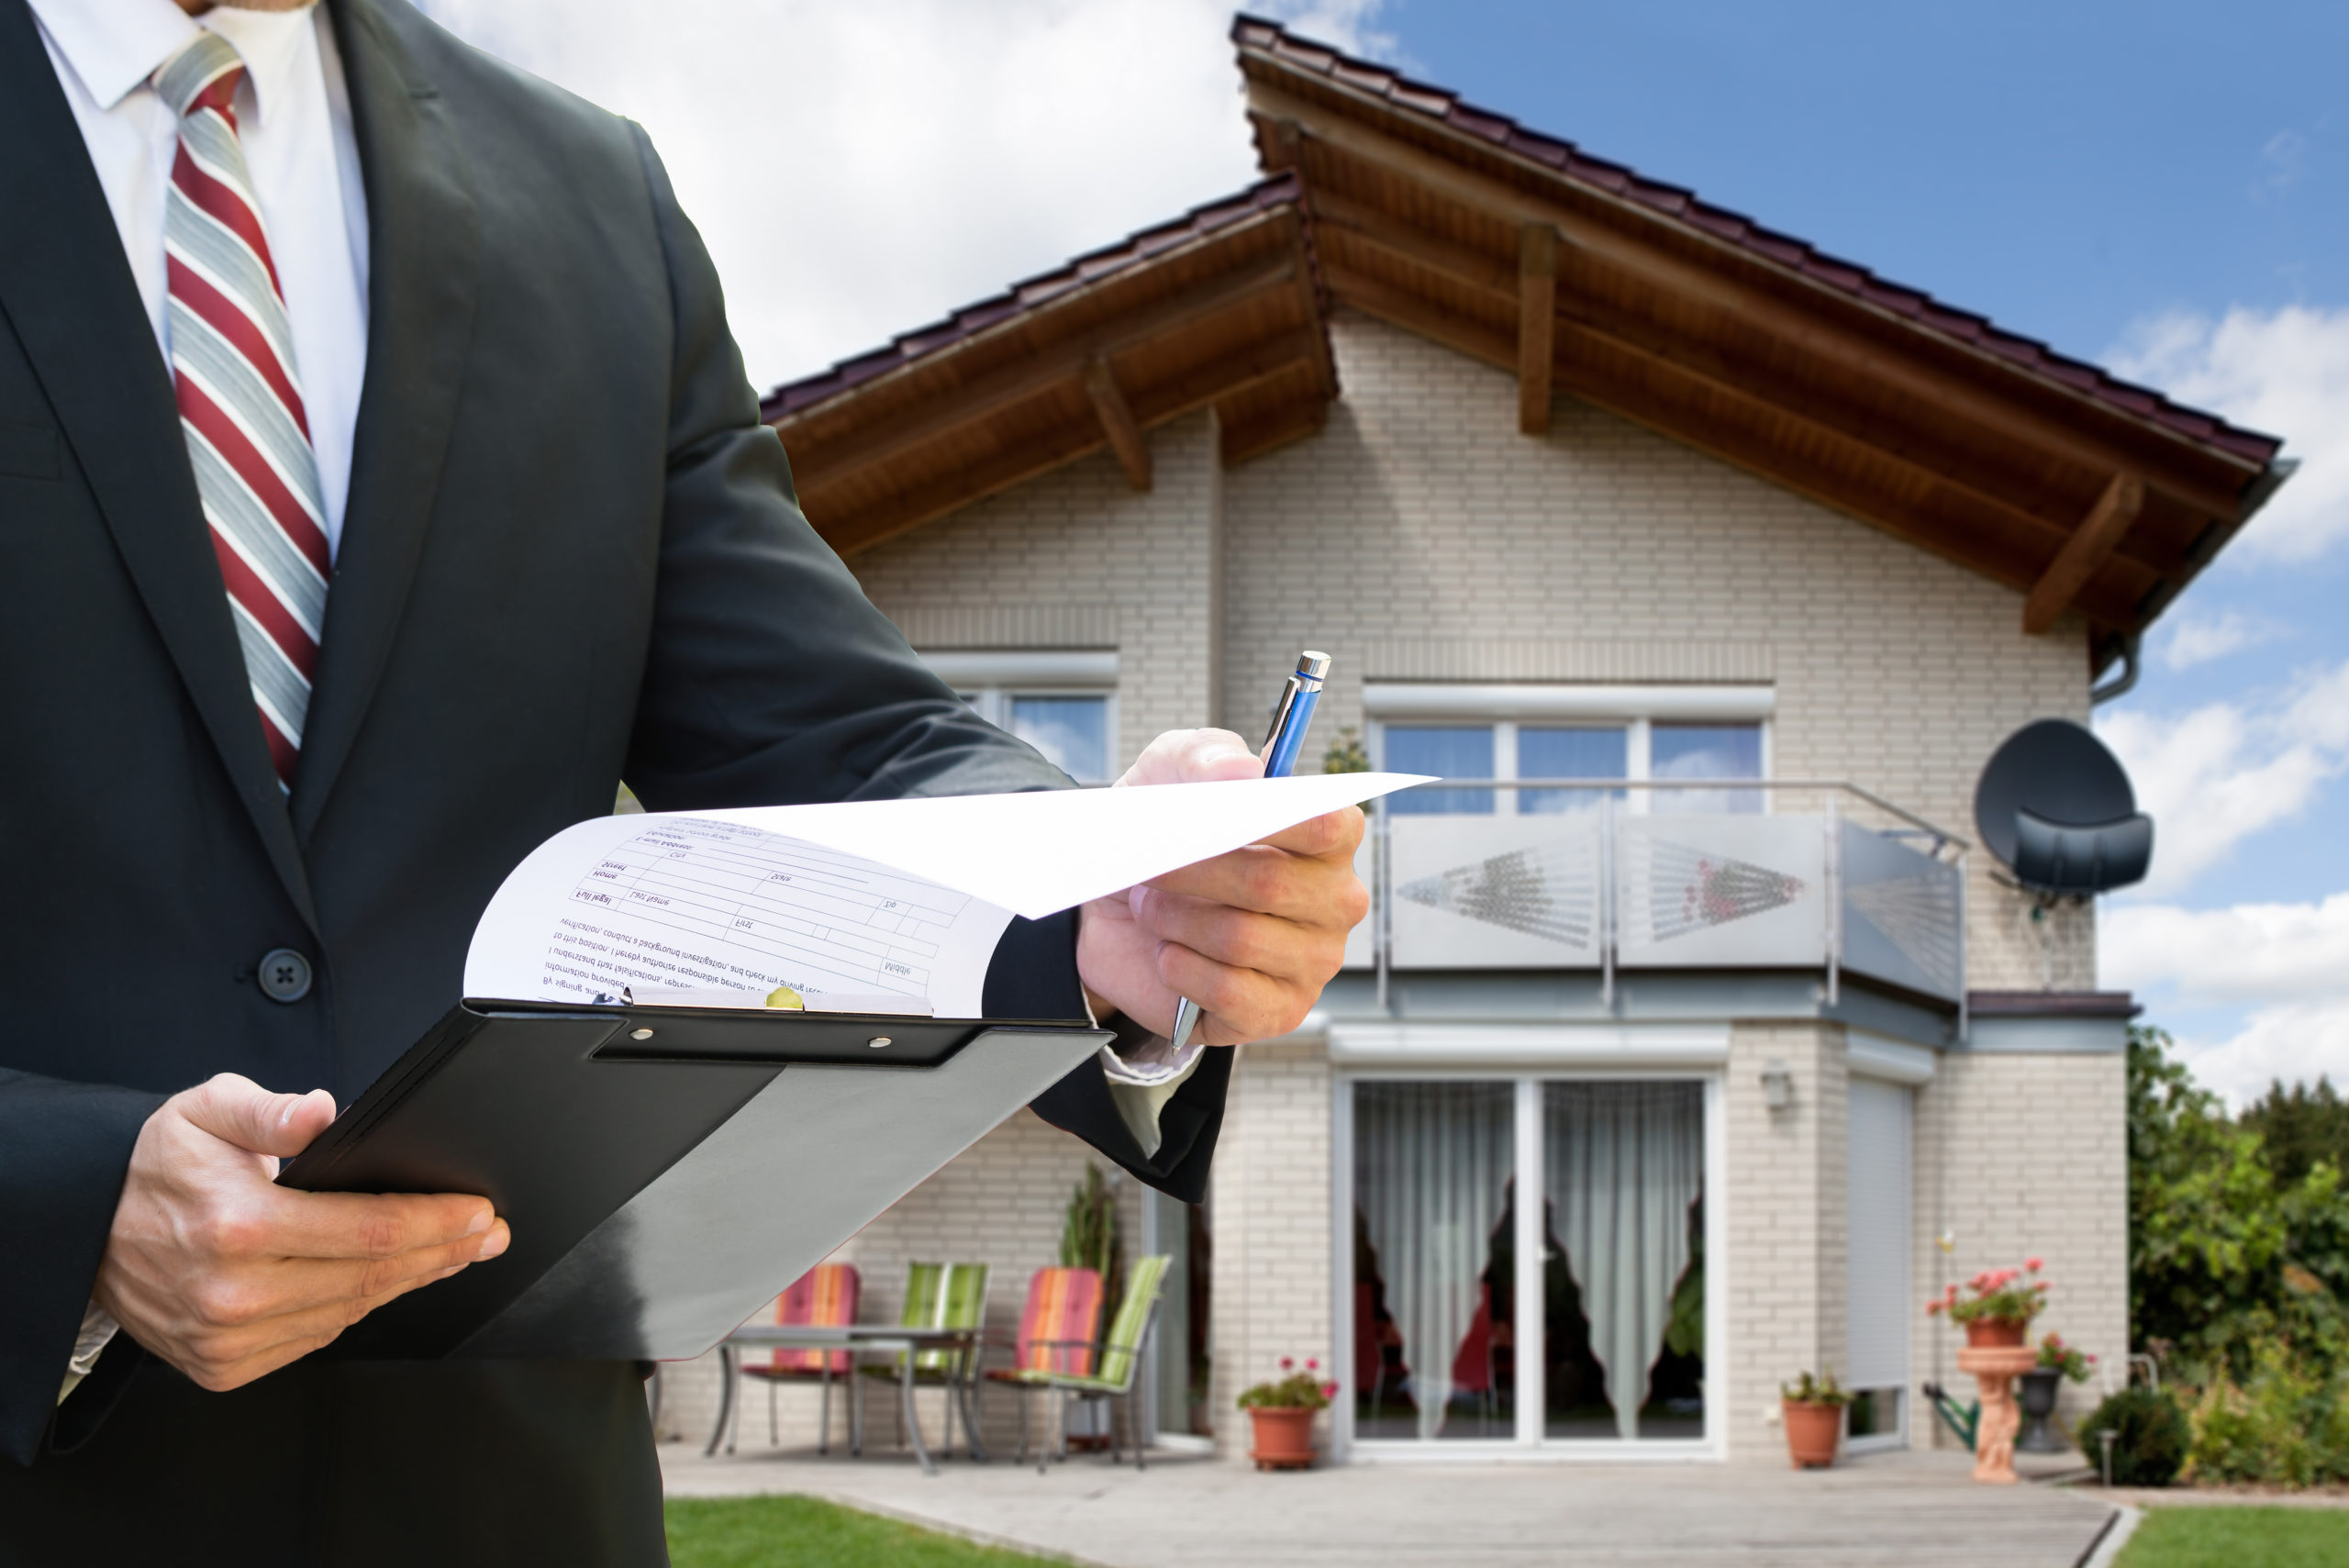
(824, 1297)
(943, 1295)
(1057, 1330)
(1119, 1354)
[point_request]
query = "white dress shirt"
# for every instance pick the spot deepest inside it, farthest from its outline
(294, 118)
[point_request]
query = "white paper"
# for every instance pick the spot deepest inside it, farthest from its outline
(901, 897)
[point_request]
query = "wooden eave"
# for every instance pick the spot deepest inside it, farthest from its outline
(1226, 316)
(2032, 471)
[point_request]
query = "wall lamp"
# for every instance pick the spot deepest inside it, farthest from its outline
(1777, 1085)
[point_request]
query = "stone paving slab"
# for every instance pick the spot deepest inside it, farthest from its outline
(1903, 1508)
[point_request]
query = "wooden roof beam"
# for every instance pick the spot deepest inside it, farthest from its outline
(952, 406)
(1537, 324)
(1573, 328)
(1812, 333)
(1117, 423)
(2090, 546)
(1902, 519)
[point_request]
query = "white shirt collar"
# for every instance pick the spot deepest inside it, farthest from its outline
(114, 46)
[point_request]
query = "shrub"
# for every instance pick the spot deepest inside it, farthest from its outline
(2153, 1438)
(2282, 1426)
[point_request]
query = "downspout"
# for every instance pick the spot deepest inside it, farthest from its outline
(2263, 487)
(2120, 685)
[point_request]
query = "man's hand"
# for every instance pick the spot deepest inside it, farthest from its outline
(1251, 936)
(226, 1276)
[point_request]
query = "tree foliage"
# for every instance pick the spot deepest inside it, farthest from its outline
(2226, 1253)
(2302, 1127)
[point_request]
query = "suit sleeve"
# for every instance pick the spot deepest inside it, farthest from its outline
(63, 1149)
(773, 680)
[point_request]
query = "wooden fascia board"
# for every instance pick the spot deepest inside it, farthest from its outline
(1499, 200)
(2085, 553)
(830, 462)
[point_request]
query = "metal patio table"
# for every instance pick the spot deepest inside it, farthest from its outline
(858, 1339)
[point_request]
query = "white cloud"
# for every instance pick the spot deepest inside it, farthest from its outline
(2213, 776)
(2284, 371)
(2297, 1042)
(2292, 959)
(2190, 637)
(857, 170)
(2250, 952)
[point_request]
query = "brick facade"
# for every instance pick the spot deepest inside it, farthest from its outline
(1420, 536)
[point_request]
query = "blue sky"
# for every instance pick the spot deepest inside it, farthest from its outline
(2161, 187)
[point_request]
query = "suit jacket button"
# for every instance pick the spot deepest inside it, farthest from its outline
(284, 976)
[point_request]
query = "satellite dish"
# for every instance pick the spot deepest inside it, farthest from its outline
(2056, 806)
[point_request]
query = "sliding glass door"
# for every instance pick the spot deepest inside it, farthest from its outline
(1604, 1342)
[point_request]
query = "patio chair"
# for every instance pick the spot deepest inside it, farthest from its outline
(1057, 1329)
(824, 1297)
(941, 1295)
(1117, 1356)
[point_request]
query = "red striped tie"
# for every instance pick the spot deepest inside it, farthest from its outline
(240, 397)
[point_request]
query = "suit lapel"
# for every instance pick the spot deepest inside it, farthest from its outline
(68, 291)
(423, 240)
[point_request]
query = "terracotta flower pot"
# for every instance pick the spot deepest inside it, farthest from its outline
(1995, 1333)
(1813, 1432)
(1283, 1438)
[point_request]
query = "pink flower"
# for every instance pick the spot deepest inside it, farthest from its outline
(2091, 1360)
(1933, 1308)
(1287, 1362)
(1329, 1391)
(1312, 1365)
(2034, 1265)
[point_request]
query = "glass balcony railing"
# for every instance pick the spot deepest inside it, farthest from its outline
(1608, 874)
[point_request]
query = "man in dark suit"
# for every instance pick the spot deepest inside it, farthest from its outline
(269, 754)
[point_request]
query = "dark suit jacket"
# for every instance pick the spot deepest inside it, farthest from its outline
(572, 555)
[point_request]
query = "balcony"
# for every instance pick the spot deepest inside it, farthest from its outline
(1613, 876)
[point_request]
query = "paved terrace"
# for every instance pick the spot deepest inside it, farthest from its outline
(1896, 1508)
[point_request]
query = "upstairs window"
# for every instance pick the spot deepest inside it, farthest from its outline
(1571, 733)
(1063, 703)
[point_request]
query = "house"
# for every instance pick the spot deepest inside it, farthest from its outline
(1578, 479)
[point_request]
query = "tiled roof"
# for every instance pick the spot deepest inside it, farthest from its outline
(1677, 203)
(789, 398)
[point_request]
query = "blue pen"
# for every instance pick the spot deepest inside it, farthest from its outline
(1299, 696)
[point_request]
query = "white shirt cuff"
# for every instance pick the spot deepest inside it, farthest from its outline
(98, 1330)
(1144, 1077)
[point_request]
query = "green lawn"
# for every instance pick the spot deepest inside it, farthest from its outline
(801, 1532)
(2228, 1537)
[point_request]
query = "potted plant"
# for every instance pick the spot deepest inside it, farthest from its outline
(1813, 1408)
(1282, 1413)
(1997, 1306)
(2058, 1363)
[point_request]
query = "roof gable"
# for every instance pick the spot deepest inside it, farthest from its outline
(2042, 472)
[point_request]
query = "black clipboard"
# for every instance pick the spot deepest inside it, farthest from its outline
(664, 1169)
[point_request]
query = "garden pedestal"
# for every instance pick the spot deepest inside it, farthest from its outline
(1995, 1368)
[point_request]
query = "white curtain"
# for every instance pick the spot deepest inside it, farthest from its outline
(1622, 1164)
(1431, 1167)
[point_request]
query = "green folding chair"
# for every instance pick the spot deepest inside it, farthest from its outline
(942, 1295)
(1114, 1358)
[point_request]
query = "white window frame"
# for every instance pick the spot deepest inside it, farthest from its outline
(1527, 1065)
(988, 679)
(1634, 709)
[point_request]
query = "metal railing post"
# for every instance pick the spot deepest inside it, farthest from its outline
(1606, 900)
(1383, 880)
(1834, 901)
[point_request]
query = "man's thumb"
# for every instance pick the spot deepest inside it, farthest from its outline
(238, 1110)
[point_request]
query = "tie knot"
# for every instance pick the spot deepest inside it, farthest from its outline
(204, 75)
